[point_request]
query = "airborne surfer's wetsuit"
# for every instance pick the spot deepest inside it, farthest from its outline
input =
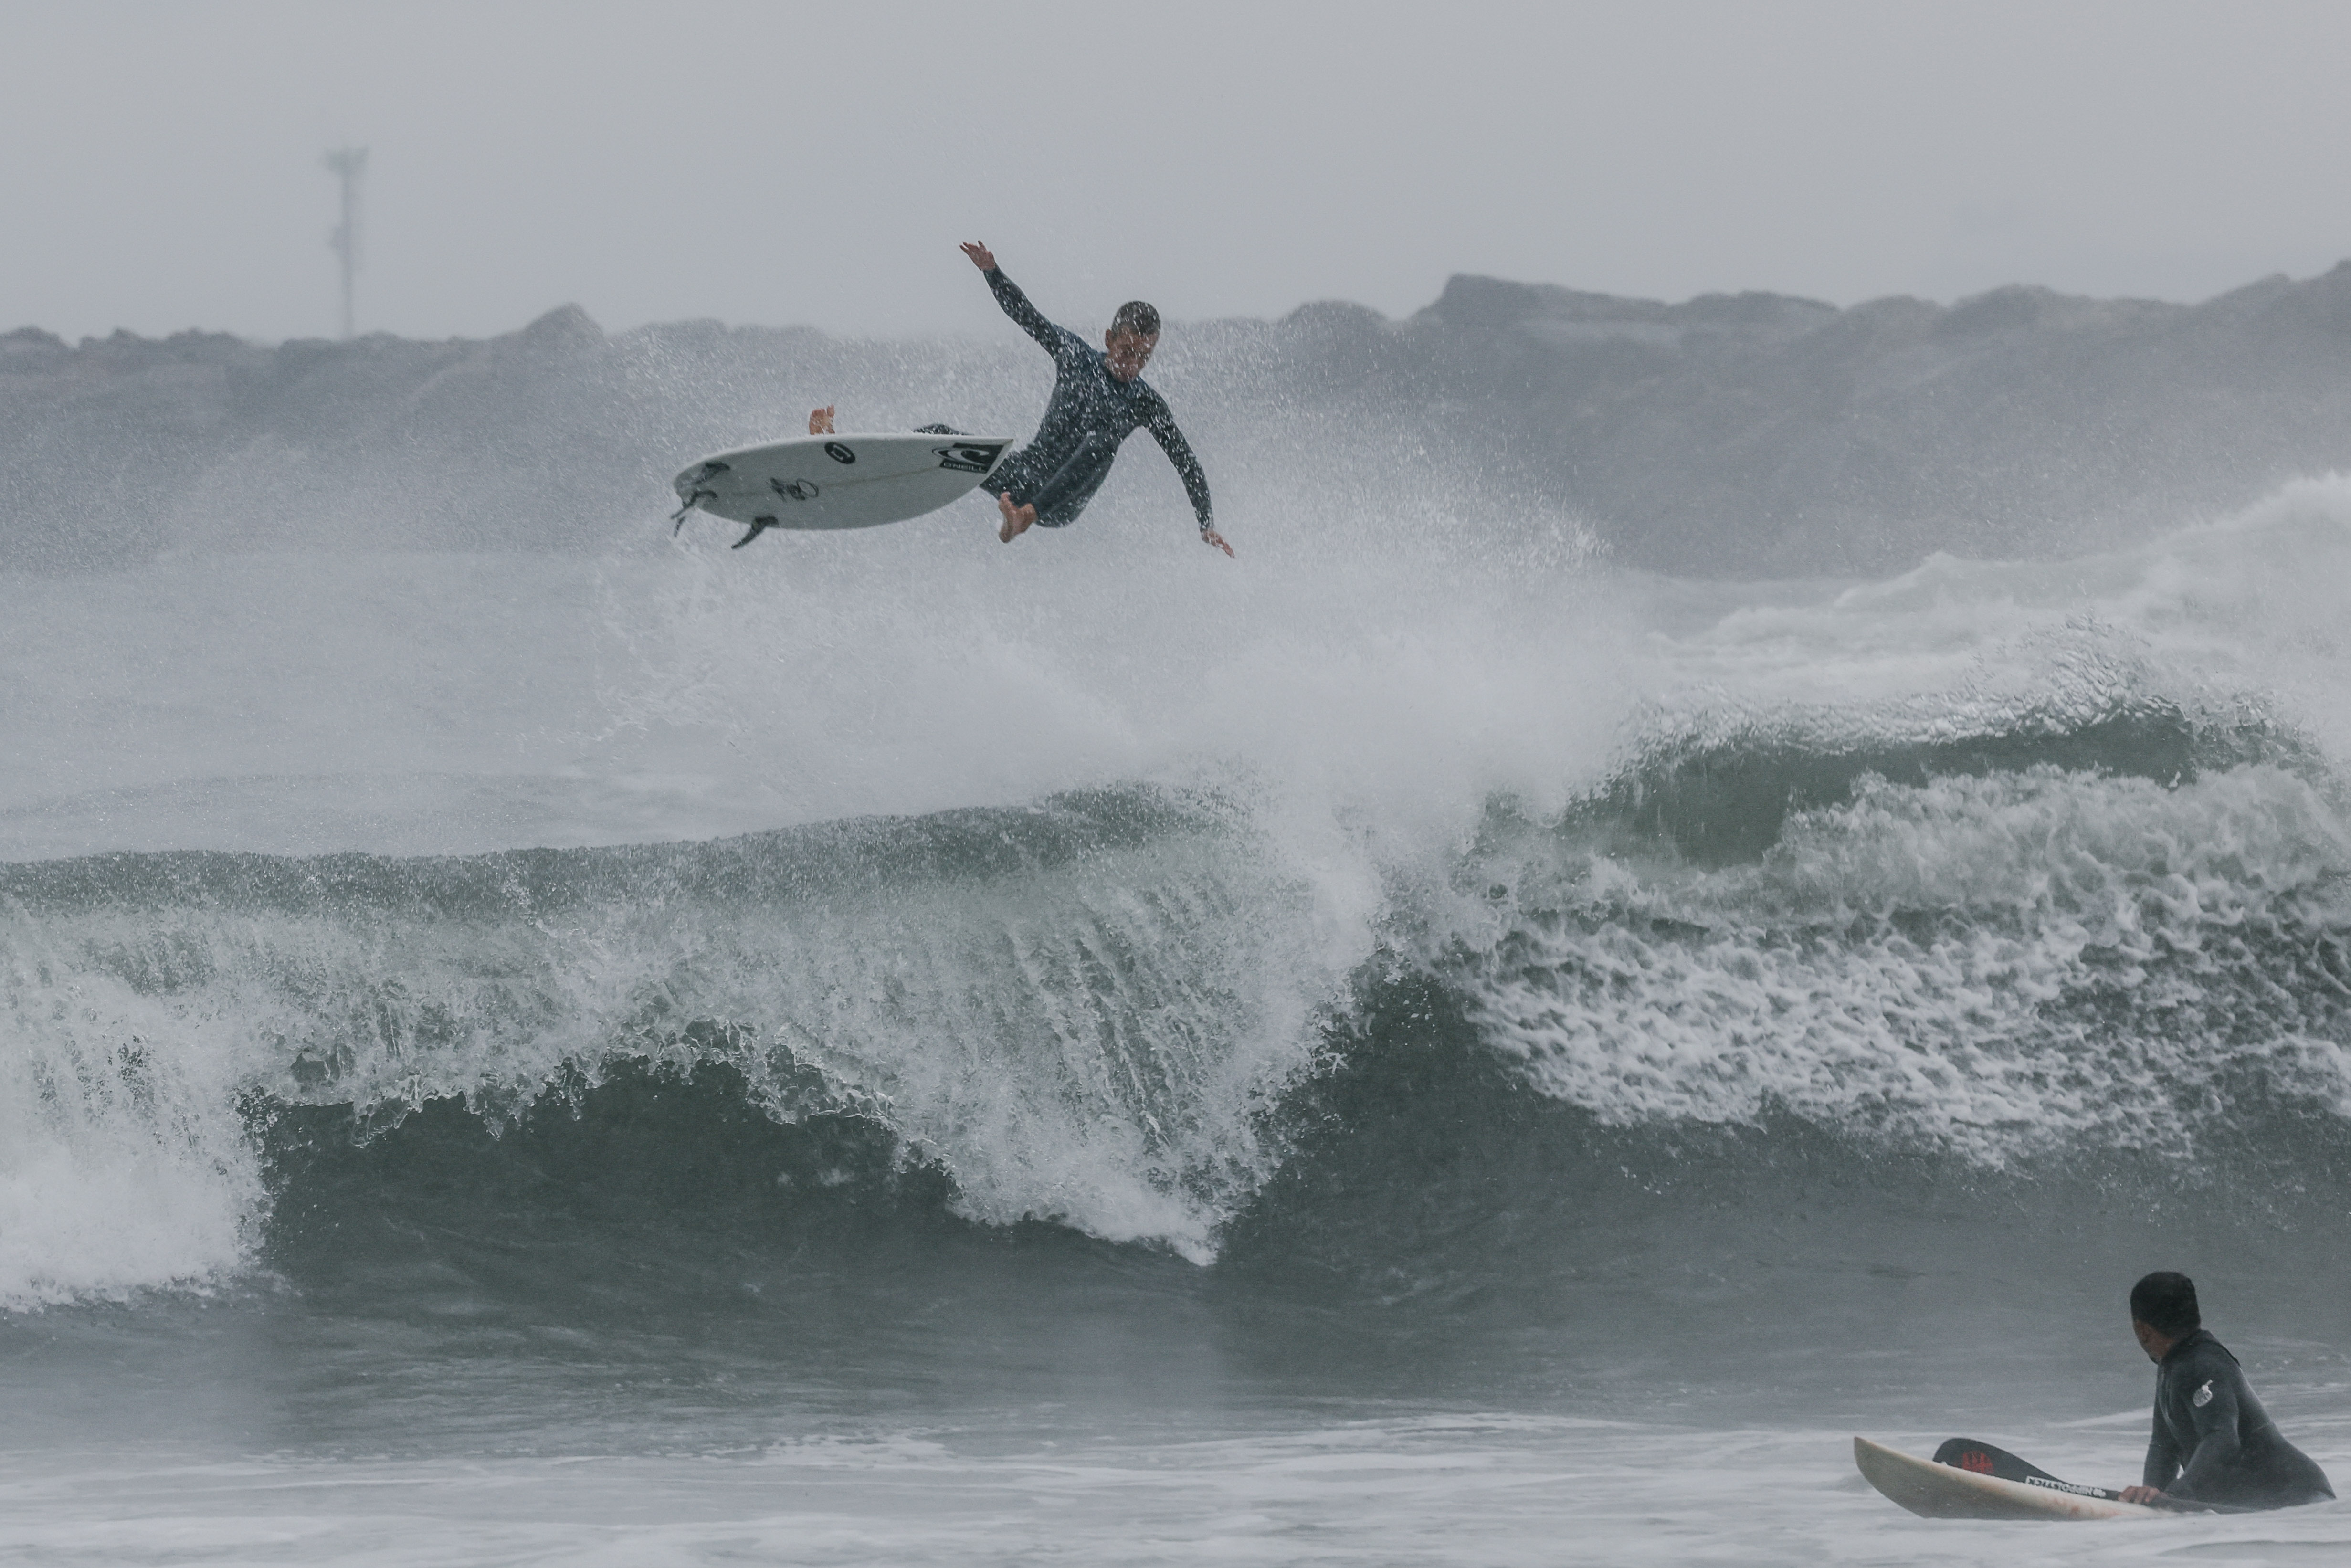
(1091, 413)
(2214, 1443)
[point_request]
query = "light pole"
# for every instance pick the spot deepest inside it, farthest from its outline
(351, 164)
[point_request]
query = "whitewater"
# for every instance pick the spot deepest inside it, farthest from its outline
(1417, 1045)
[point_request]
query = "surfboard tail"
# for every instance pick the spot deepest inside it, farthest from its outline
(677, 518)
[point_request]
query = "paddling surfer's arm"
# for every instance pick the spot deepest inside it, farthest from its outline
(1055, 340)
(1162, 428)
(2162, 1465)
(2218, 1451)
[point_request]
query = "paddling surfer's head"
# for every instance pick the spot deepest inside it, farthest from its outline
(2164, 1311)
(1133, 333)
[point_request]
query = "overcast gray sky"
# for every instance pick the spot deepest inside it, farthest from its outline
(800, 163)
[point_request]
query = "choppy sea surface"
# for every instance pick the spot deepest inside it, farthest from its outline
(889, 1048)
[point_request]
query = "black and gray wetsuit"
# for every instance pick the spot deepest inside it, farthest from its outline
(2213, 1441)
(1091, 413)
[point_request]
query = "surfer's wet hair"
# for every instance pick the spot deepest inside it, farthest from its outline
(1137, 317)
(2165, 1303)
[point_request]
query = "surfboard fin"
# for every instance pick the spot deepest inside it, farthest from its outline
(759, 526)
(677, 518)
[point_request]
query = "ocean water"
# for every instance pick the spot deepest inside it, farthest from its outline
(1414, 1046)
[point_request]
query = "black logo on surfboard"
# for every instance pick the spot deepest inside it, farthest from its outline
(970, 456)
(838, 453)
(796, 490)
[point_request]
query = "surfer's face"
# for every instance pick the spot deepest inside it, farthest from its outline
(1129, 352)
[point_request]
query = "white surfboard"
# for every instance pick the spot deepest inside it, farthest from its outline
(1946, 1491)
(847, 481)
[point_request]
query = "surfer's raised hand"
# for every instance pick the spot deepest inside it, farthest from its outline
(981, 256)
(820, 421)
(1211, 537)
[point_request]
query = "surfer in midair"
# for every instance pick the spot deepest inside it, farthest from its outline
(1099, 398)
(2213, 1442)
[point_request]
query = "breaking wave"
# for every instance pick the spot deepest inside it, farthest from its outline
(2073, 888)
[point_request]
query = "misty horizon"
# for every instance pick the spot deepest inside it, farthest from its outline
(1830, 150)
(989, 323)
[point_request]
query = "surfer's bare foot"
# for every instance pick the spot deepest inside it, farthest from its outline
(1211, 537)
(820, 421)
(1015, 518)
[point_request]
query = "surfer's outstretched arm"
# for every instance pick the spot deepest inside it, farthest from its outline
(1055, 340)
(1162, 428)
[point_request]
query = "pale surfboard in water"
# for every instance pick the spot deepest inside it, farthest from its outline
(1934, 1490)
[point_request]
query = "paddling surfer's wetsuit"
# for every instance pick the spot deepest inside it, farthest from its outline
(1091, 413)
(2214, 1443)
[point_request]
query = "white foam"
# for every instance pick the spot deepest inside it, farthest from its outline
(123, 1163)
(1466, 1487)
(1990, 964)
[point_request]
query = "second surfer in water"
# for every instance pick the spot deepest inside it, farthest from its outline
(1100, 399)
(2213, 1442)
